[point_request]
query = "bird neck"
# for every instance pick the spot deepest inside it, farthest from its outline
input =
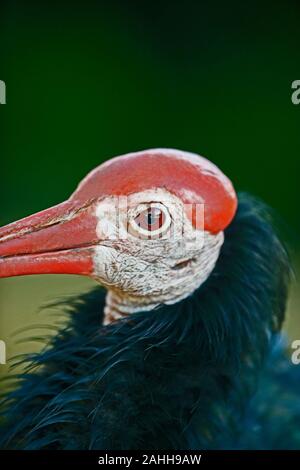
(118, 306)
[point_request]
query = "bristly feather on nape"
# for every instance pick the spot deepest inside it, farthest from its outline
(179, 377)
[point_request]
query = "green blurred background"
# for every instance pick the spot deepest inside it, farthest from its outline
(90, 80)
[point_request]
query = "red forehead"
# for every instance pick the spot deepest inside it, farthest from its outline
(192, 178)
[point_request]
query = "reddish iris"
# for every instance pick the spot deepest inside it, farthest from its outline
(150, 219)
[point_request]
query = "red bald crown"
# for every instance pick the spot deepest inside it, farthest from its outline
(192, 178)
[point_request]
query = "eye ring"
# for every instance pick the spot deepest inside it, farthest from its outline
(160, 214)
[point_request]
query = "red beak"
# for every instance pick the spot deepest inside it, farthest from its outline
(58, 240)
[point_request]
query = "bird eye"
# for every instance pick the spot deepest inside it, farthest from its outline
(152, 221)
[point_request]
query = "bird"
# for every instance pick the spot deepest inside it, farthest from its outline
(179, 344)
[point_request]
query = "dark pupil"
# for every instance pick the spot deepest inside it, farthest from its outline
(151, 218)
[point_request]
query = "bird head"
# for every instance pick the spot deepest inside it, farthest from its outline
(147, 225)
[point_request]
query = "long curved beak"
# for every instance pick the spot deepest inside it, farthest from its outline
(58, 240)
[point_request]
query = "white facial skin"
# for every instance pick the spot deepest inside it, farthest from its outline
(142, 272)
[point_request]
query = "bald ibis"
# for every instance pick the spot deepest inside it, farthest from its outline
(182, 350)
